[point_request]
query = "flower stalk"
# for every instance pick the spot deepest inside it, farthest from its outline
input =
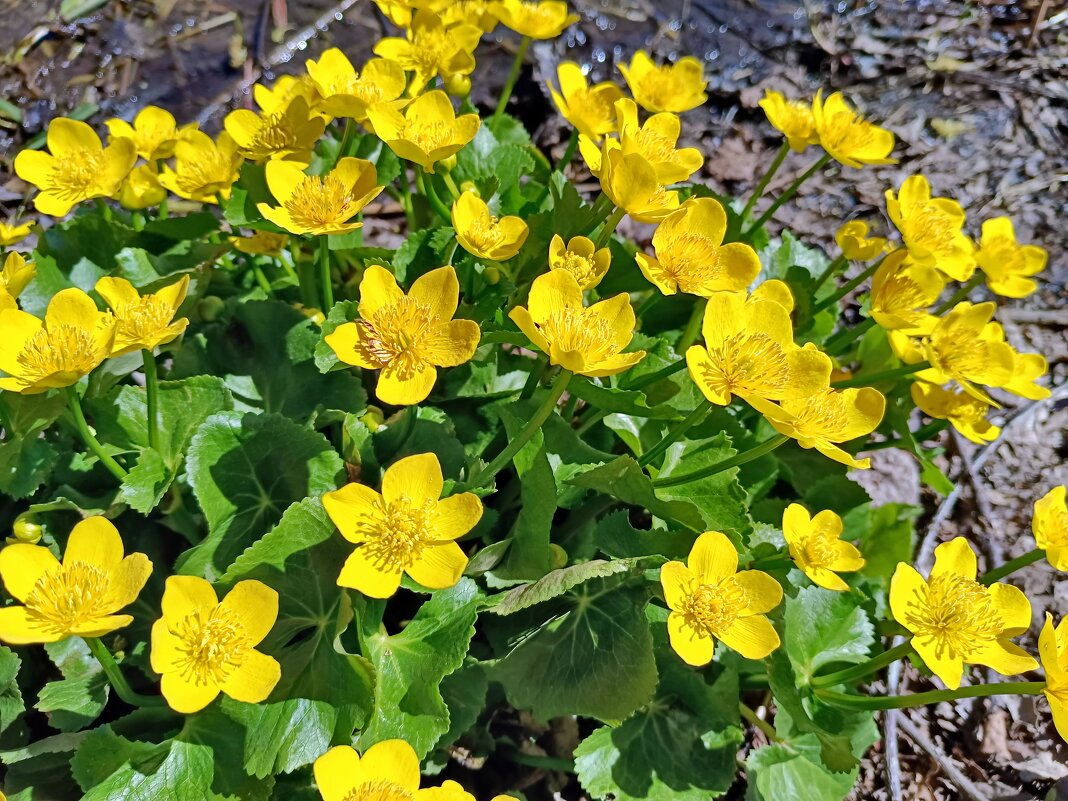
(692, 419)
(887, 375)
(788, 193)
(693, 326)
(327, 285)
(75, 406)
(857, 672)
(846, 288)
(151, 397)
(876, 702)
(738, 459)
(758, 192)
(1012, 566)
(114, 675)
(509, 84)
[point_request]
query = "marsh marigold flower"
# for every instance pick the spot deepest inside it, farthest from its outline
(585, 340)
(630, 181)
(71, 341)
(902, 291)
(535, 19)
(16, 274)
(320, 205)
(965, 347)
(830, 416)
(1053, 649)
(580, 257)
(1026, 368)
(141, 189)
(846, 136)
(407, 528)
(955, 620)
(427, 132)
(289, 134)
(483, 234)
(479, 13)
(202, 647)
(710, 600)
(143, 322)
(13, 233)
(260, 243)
(345, 92)
(76, 167)
(154, 132)
(1008, 265)
(387, 771)
(855, 243)
(590, 109)
(276, 98)
(674, 87)
(80, 596)
(964, 413)
(932, 228)
(1050, 527)
(430, 49)
(406, 336)
(690, 254)
(656, 141)
(792, 118)
(817, 548)
(203, 169)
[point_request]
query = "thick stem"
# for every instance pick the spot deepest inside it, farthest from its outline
(933, 697)
(692, 419)
(654, 297)
(346, 139)
(406, 199)
(856, 672)
(115, 677)
(846, 288)
(659, 375)
(426, 186)
(509, 84)
(960, 294)
(752, 717)
(758, 192)
(1012, 566)
(832, 268)
(326, 283)
(875, 378)
(841, 341)
(152, 397)
(610, 226)
(450, 183)
(788, 193)
(738, 459)
(75, 406)
(572, 146)
(693, 326)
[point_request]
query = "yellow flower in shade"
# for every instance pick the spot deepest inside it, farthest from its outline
(408, 528)
(655, 142)
(710, 600)
(154, 132)
(791, 118)
(846, 136)
(855, 243)
(932, 228)
(580, 257)
(80, 596)
(202, 647)
(427, 132)
(16, 274)
(471, 12)
(399, 12)
(585, 340)
(956, 621)
(288, 134)
(261, 243)
(750, 352)
(13, 233)
(1026, 367)
(204, 169)
(1050, 527)
(387, 771)
(630, 182)
(77, 167)
(817, 548)
(276, 98)
(902, 291)
(965, 347)
(1053, 650)
(143, 322)
(320, 205)
(1008, 265)
(690, 254)
(535, 19)
(831, 416)
(590, 109)
(71, 341)
(674, 87)
(964, 413)
(141, 189)
(6, 301)
(484, 235)
(406, 336)
(348, 93)
(430, 49)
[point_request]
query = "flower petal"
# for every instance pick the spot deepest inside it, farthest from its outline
(18, 628)
(404, 390)
(695, 647)
(22, 565)
(337, 772)
(753, 637)
(360, 573)
(955, 557)
(415, 478)
(351, 506)
(456, 515)
(452, 343)
(183, 595)
(1005, 657)
(393, 761)
(439, 566)
(128, 578)
(378, 289)
(763, 591)
(253, 680)
(439, 289)
(185, 696)
(712, 558)
(551, 293)
(255, 606)
(94, 541)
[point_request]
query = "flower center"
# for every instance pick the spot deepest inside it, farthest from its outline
(68, 596)
(398, 534)
(818, 548)
(428, 136)
(484, 233)
(822, 416)
(691, 260)
(378, 790)
(930, 228)
(148, 139)
(1005, 256)
(143, 320)
(958, 349)
(274, 135)
(74, 175)
(845, 131)
(579, 266)
(1055, 531)
(577, 331)
(660, 85)
(212, 645)
(901, 296)
(396, 336)
(58, 349)
(955, 613)
(653, 146)
(747, 364)
(797, 119)
(319, 201)
(714, 607)
(212, 167)
(431, 49)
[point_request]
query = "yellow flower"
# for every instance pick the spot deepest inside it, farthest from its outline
(347, 93)
(655, 142)
(261, 243)
(962, 347)
(427, 132)
(16, 274)
(1050, 527)
(817, 548)
(932, 228)
(750, 351)
(535, 19)
(320, 205)
(846, 136)
(201, 646)
(965, 413)
(405, 529)
(430, 49)
(41, 355)
(479, 13)
(388, 771)
(580, 257)
(1026, 367)
(830, 416)
(399, 12)
(855, 243)
(141, 189)
(674, 87)
(955, 620)
(590, 109)
(6, 301)
(1007, 264)
(585, 340)
(690, 254)
(406, 336)
(13, 233)
(710, 600)
(143, 322)
(77, 167)
(203, 169)
(792, 118)
(902, 291)
(483, 234)
(630, 181)
(276, 98)
(288, 134)
(1053, 649)
(154, 132)
(79, 597)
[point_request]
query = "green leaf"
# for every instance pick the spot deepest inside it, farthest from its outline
(622, 478)
(303, 525)
(720, 498)
(887, 535)
(781, 771)
(11, 703)
(616, 537)
(246, 470)
(421, 252)
(622, 401)
(25, 464)
(824, 628)
(555, 584)
(184, 774)
(76, 700)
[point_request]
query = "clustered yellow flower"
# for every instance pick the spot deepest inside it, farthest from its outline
(483, 234)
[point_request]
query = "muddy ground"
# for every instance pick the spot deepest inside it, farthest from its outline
(977, 93)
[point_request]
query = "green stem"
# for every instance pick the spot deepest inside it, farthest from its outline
(655, 297)
(450, 183)
(427, 188)
(832, 268)
(161, 212)
(610, 226)
(739, 458)
(533, 761)
(846, 288)
(261, 279)
(346, 139)
(115, 677)
(752, 717)
(509, 84)
(960, 294)
(693, 326)
(1012, 566)
(692, 419)
(841, 341)
(875, 378)
(932, 697)
(852, 674)
(537, 369)
(327, 285)
(152, 397)
(592, 420)
(557, 389)
(90, 440)
(406, 199)
(789, 192)
(659, 375)
(569, 408)
(572, 146)
(758, 193)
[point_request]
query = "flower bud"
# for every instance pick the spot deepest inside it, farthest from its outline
(492, 275)
(469, 186)
(373, 418)
(25, 529)
(557, 556)
(210, 307)
(449, 164)
(458, 85)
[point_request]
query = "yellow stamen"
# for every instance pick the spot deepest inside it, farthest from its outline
(955, 613)
(212, 645)
(714, 607)
(747, 363)
(397, 336)
(69, 596)
(58, 349)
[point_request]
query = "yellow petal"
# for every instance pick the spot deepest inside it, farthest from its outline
(252, 680)
(439, 290)
(703, 370)
(453, 343)
(185, 696)
(695, 647)
(1013, 608)
(613, 365)
(336, 772)
(349, 506)
(618, 316)
(955, 557)
(344, 341)
(378, 289)
(99, 626)
(677, 581)
(725, 315)
(359, 573)
(393, 761)
(18, 327)
(183, 595)
(117, 292)
(22, 565)
(456, 515)
(127, 580)
(551, 293)
(753, 637)
(907, 587)
(283, 178)
(416, 478)
(948, 666)
(1005, 657)
(521, 317)
(94, 541)
(68, 138)
(399, 389)
(18, 628)
(254, 606)
(439, 566)
(72, 307)
(712, 558)
(763, 591)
